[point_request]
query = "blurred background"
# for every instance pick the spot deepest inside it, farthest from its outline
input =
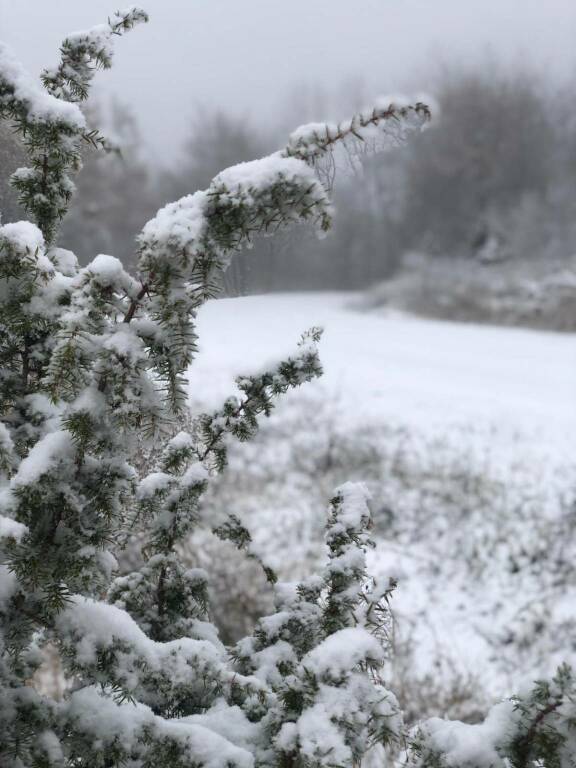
(469, 222)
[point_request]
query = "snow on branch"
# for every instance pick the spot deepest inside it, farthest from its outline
(390, 122)
(84, 52)
(535, 728)
(24, 100)
(93, 364)
(238, 417)
(258, 196)
(132, 734)
(103, 644)
(169, 497)
(187, 246)
(347, 538)
(52, 127)
(329, 704)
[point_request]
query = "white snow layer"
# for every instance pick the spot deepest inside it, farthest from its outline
(397, 369)
(39, 103)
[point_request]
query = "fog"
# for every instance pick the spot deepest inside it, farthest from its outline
(249, 57)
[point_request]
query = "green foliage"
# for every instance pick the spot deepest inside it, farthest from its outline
(534, 729)
(92, 368)
(51, 134)
(85, 52)
(546, 722)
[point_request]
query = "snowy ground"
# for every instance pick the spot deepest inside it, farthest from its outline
(482, 540)
(430, 374)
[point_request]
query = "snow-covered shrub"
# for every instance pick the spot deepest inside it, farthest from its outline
(533, 294)
(92, 366)
(535, 728)
(446, 510)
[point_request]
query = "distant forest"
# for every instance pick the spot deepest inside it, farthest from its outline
(496, 184)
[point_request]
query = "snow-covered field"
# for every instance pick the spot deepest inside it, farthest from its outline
(430, 374)
(473, 432)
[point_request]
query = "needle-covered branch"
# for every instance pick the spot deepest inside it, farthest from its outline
(52, 128)
(85, 52)
(536, 728)
(389, 123)
(93, 365)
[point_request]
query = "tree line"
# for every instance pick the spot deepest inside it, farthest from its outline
(494, 179)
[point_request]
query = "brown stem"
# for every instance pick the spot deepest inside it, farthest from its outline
(234, 415)
(524, 744)
(376, 117)
(26, 361)
(134, 303)
(129, 316)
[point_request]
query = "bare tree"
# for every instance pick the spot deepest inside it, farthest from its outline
(495, 146)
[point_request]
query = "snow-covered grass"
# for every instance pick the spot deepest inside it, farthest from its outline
(522, 293)
(463, 435)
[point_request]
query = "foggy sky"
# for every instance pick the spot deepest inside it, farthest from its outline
(249, 56)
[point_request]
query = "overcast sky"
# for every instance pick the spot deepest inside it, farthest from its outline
(247, 56)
